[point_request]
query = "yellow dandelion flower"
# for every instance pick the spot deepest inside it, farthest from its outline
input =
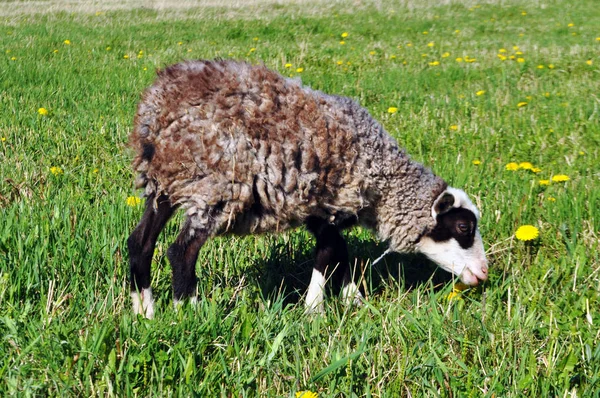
(430, 44)
(409, 44)
(476, 162)
(434, 63)
(56, 170)
(536, 169)
(571, 25)
(425, 32)
(540, 66)
(67, 42)
(515, 48)
(502, 50)
(3, 139)
(480, 92)
(560, 178)
(459, 59)
(338, 62)
(520, 60)
(13, 58)
(521, 104)
(470, 60)
(523, 13)
(342, 42)
(392, 109)
(502, 57)
(252, 49)
(525, 166)
(550, 66)
(518, 53)
(55, 51)
(454, 296)
(457, 31)
(133, 201)
(125, 56)
(95, 171)
(597, 38)
(454, 127)
(299, 70)
(581, 153)
(372, 52)
(42, 111)
(392, 56)
(527, 232)
(512, 166)
(511, 57)
(544, 182)
(344, 35)
(551, 199)
(255, 38)
(589, 62)
(306, 394)
(108, 48)
(445, 55)
(288, 65)
(179, 43)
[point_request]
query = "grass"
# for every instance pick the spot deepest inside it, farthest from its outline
(66, 326)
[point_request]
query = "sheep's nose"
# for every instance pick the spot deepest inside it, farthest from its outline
(484, 272)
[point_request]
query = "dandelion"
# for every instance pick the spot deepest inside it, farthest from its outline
(430, 44)
(434, 63)
(445, 55)
(502, 57)
(457, 31)
(3, 139)
(480, 93)
(342, 42)
(425, 32)
(459, 59)
(408, 44)
(520, 60)
(67, 42)
(470, 60)
(306, 394)
(560, 178)
(252, 49)
(299, 70)
(571, 25)
(589, 62)
(454, 127)
(544, 182)
(597, 38)
(457, 290)
(523, 13)
(512, 166)
(43, 111)
(125, 56)
(525, 166)
(344, 35)
(13, 58)
(551, 199)
(392, 56)
(255, 39)
(392, 109)
(372, 52)
(133, 201)
(476, 162)
(536, 170)
(55, 170)
(55, 51)
(515, 48)
(527, 233)
(338, 62)
(179, 43)
(551, 66)
(581, 153)
(521, 104)
(540, 66)
(502, 50)
(288, 65)
(108, 48)
(519, 53)
(95, 171)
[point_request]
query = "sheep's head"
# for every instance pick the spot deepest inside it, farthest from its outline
(455, 243)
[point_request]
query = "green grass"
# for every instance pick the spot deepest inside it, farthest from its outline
(66, 325)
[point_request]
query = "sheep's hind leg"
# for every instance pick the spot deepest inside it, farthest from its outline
(331, 254)
(141, 244)
(183, 254)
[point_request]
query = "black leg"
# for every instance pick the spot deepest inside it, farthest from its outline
(183, 254)
(142, 240)
(331, 253)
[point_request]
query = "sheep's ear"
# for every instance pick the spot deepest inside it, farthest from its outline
(443, 204)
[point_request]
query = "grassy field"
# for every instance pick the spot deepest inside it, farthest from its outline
(475, 86)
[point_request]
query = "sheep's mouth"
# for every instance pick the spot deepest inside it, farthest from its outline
(471, 278)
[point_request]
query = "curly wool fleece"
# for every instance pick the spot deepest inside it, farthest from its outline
(245, 150)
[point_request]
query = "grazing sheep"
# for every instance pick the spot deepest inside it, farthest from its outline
(244, 150)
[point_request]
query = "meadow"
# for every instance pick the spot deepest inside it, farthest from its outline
(498, 97)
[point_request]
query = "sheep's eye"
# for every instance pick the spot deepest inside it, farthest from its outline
(463, 228)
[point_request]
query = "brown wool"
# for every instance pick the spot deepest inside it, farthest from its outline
(244, 150)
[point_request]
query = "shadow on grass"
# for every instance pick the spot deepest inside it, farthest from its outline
(286, 275)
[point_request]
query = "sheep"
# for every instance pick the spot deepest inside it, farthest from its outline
(244, 150)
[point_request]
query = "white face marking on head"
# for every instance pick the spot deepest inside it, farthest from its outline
(314, 295)
(469, 264)
(461, 199)
(143, 303)
(351, 294)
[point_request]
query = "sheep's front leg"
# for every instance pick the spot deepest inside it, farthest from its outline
(141, 244)
(183, 254)
(332, 256)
